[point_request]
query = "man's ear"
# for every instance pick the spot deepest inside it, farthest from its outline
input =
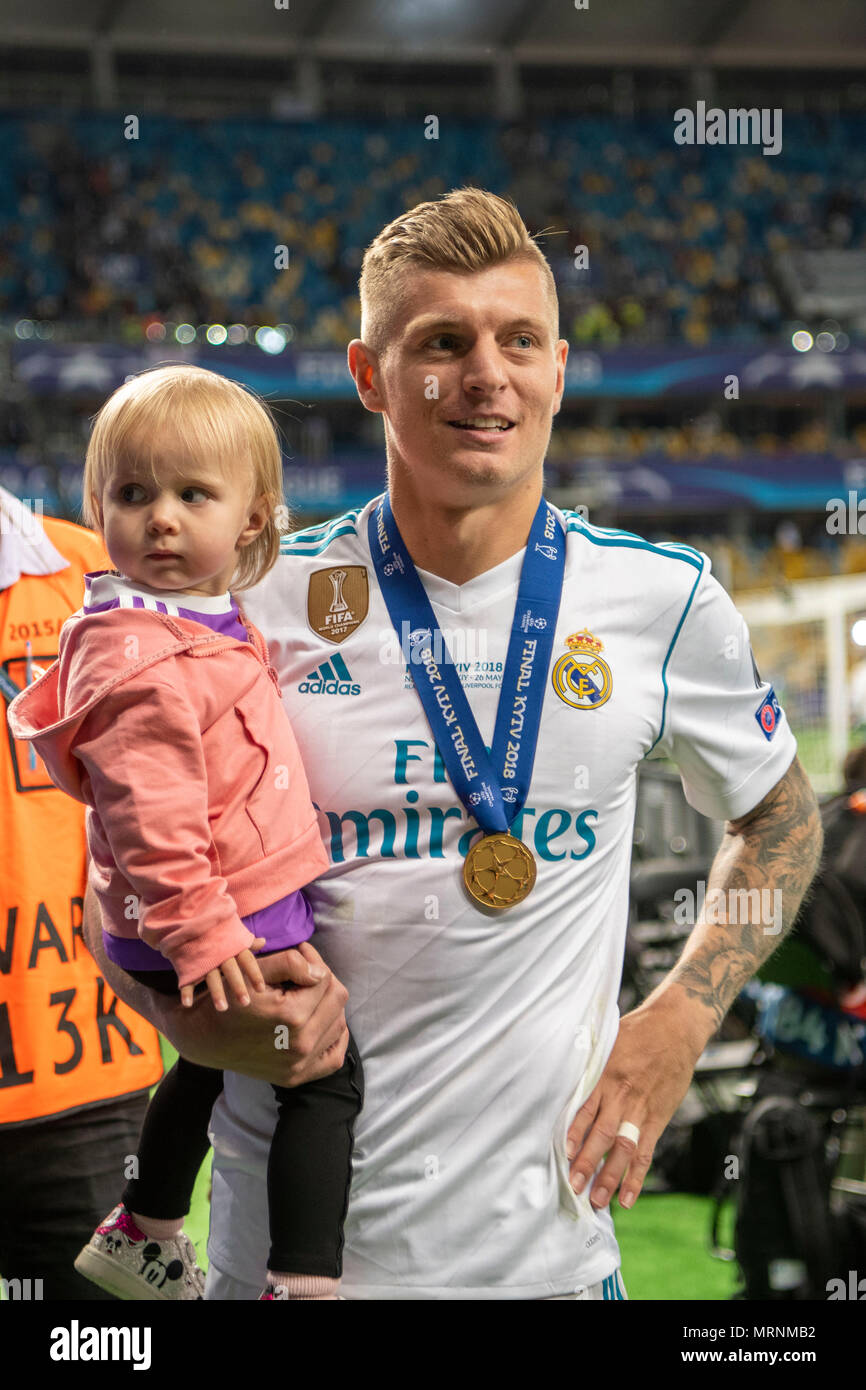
(561, 353)
(364, 367)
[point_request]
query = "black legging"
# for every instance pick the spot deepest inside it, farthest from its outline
(309, 1168)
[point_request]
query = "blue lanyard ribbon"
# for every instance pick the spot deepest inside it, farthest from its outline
(8, 686)
(494, 788)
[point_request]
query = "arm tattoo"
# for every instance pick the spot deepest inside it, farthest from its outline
(775, 849)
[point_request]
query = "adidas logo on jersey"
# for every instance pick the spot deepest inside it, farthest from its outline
(331, 678)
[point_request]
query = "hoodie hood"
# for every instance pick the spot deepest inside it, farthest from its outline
(97, 652)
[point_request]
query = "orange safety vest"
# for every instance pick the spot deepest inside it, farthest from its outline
(66, 1041)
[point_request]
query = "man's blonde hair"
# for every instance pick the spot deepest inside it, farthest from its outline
(209, 418)
(466, 230)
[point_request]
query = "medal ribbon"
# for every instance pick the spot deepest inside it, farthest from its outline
(493, 788)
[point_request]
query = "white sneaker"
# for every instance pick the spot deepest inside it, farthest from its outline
(125, 1262)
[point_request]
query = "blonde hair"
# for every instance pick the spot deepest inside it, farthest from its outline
(211, 418)
(467, 229)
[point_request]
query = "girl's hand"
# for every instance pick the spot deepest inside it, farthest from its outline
(233, 970)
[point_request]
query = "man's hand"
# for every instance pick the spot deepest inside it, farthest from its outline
(248, 1038)
(286, 1037)
(646, 1077)
(775, 848)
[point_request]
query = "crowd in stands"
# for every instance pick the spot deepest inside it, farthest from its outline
(705, 436)
(181, 222)
(771, 562)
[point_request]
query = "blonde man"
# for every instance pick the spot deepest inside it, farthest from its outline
(474, 677)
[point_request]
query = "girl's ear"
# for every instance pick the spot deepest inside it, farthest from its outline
(259, 512)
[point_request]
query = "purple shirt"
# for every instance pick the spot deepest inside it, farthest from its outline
(287, 922)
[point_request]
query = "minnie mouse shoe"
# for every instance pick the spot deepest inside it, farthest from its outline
(130, 1265)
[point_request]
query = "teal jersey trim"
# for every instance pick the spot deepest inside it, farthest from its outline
(668, 657)
(672, 550)
(598, 535)
(314, 539)
(313, 532)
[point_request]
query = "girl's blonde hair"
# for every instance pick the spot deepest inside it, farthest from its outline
(468, 229)
(210, 418)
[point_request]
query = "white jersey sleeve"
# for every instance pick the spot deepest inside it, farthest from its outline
(721, 723)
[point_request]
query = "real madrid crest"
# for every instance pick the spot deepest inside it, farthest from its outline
(337, 601)
(581, 678)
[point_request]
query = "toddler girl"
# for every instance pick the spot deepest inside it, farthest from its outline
(163, 715)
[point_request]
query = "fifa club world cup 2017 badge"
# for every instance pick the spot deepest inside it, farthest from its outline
(581, 678)
(337, 601)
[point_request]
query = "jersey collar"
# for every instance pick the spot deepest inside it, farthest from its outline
(102, 586)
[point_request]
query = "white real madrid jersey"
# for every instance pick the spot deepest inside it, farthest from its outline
(482, 1034)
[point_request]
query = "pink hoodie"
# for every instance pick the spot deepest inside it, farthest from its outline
(177, 740)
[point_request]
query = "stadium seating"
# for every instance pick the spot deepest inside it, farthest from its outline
(181, 222)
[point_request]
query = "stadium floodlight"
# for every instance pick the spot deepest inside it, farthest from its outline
(270, 340)
(802, 340)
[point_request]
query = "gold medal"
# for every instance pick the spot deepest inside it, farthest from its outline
(499, 871)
